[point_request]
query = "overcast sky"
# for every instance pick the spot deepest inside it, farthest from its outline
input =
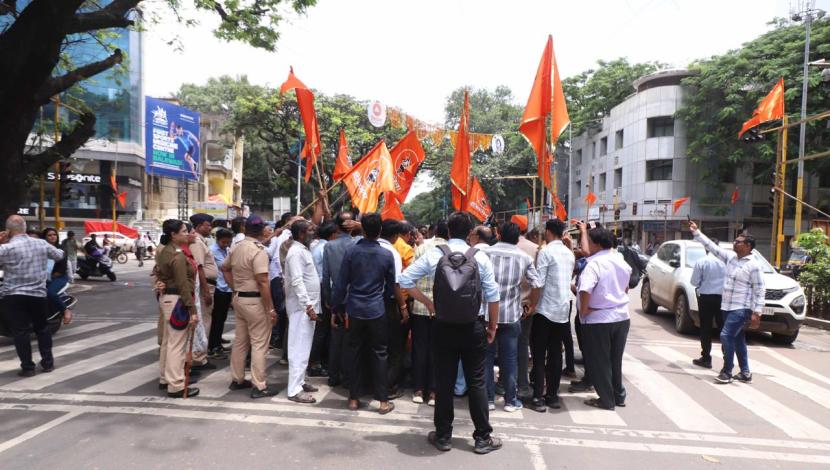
(412, 54)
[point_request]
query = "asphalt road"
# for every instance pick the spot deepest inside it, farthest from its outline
(101, 408)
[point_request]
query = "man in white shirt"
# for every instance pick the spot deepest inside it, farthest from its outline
(302, 302)
(551, 323)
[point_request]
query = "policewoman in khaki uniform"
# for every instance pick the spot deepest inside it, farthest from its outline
(246, 272)
(178, 274)
(207, 277)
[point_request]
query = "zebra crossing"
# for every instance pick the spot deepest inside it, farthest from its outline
(110, 363)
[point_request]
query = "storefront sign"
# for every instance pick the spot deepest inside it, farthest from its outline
(172, 140)
(75, 178)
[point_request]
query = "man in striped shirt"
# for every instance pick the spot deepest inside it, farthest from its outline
(742, 301)
(511, 265)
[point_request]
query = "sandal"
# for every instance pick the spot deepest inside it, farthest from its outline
(310, 388)
(596, 404)
(303, 398)
(388, 409)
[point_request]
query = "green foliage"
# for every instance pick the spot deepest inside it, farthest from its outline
(426, 208)
(726, 89)
(816, 273)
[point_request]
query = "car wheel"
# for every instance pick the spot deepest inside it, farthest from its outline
(84, 276)
(785, 339)
(649, 306)
(682, 320)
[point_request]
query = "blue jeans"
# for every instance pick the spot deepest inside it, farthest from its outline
(460, 383)
(733, 339)
(507, 342)
(53, 286)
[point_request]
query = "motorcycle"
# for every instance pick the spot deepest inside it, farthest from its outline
(118, 254)
(89, 266)
(55, 318)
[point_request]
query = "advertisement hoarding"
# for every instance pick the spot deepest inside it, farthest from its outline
(172, 140)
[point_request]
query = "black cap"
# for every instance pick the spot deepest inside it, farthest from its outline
(254, 222)
(200, 218)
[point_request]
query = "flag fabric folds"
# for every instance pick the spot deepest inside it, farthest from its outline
(391, 208)
(370, 177)
(305, 103)
(561, 212)
(735, 195)
(460, 171)
(591, 198)
(120, 197)
(676, 204)
(407, 156)
(477, 203)
(771, 108)
(343, 163)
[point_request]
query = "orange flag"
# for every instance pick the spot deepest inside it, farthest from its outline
(370, 177)
(561, 211)
(460, 172)
(735, 195)
(407, 156)
(546, 98)
(305, 102)
(477, 203)
(676, 204)
(391, 208)
(771, 108)
(591, 198)
(343, 163)
(120, 197)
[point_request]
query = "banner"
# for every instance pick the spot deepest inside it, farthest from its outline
(477, 203)
(171, 138)
(407, 156)
(370, 177)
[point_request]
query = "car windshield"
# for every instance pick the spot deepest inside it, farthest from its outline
(765, 266)
(693, 255)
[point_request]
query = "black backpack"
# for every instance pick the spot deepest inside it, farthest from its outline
(633, 260)
(457, 287)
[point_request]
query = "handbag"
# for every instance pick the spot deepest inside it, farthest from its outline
(180, 317)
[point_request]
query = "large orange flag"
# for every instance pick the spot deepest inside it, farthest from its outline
(343, 163)
(476, 202)
(407, 156)
(460, 172)
(391, 208)
(771, 108)
(305, 102)
(370, 177)
(676, 204)
(546, 98)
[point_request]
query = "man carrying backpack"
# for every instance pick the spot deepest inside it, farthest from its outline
(463, 278)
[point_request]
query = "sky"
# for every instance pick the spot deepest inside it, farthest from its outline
(412, 54)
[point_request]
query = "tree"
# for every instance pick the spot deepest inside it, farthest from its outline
(816, 273)
(44, 67)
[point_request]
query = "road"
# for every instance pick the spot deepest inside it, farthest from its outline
(101, 408)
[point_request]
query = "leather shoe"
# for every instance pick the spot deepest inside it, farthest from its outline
(442, 444)
(267, 392)
(191, 392)
(553, 402)
(240, 386)
(308, 388)
(48, 368)
(26, 373)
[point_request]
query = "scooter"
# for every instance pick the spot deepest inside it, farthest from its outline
(55, 318)
(89, 266)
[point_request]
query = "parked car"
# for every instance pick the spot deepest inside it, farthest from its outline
(667, 284)
(118, 239)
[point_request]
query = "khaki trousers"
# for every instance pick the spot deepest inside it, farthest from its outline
(173, 348)
(200, 358)
(253, 332)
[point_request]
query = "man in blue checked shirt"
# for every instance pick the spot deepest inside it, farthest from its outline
(454, 341)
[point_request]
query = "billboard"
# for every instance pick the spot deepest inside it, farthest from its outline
(172, 140)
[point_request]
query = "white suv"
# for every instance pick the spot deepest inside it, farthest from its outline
(667, 284)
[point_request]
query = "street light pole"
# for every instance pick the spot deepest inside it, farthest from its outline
(802, 131)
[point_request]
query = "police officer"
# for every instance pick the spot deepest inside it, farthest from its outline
(246, 272)
(177, 274)
(207, 278)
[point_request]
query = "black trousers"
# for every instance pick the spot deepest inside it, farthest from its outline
(423, 363)
(708, 307)
(580, 342)
(569, 345)
(468, 343)
(338, 352)
(546, 341)
(221, 304)
(25, 313)
(279, 332)
(396, 344)
(375, 334)
(523, 356)
(604, 347)
(320, 344)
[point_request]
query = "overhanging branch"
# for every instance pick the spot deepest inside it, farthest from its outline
(55, 85)
(84, 129)
(113, 15)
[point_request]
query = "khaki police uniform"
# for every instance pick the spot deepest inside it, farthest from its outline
(153, 278)
(253, 325)
(204, 258)
(178, 275)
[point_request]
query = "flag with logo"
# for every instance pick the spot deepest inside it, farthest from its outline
(476, 202)
(343, 163)
(407, 156)
(370, 177)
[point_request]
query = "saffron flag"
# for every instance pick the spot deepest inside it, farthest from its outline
(771, 108)
(343, 163)
(561, 212)
(529, 205)
(546, 98)
(591, 198)
(391, 208)
(370, 177)
(305, 103)
(120, 197)
(676, 204)
(735, 195)
(477, 203)
(460, 172)
(407, 156)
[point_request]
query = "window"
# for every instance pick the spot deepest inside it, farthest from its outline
(662, 126)
(618, 140)
(668, 252)
(578, 157)
(658, 170)
(603, 146)
(578, 189)
(602, 182)
(618, 178)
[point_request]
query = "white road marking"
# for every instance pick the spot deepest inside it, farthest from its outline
(581, 413)
(73, 370)
(796, 366)
(34, 432)
(394, 429)
(70, 332)
(765, 407)
(125, 382)
(536, 457)
(216, 384)
(673, 402)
